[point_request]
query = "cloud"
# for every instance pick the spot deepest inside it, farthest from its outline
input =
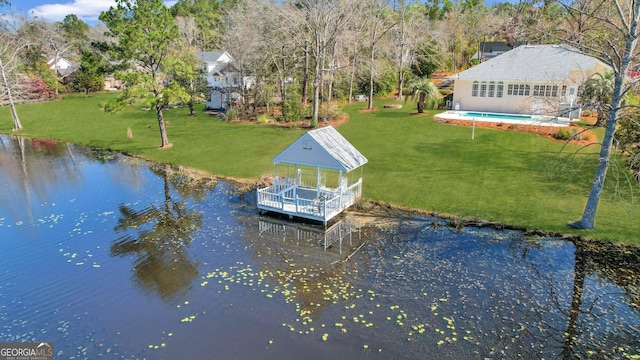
(87, 10)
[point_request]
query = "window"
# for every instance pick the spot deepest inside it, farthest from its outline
(521, 90)
(492, 89)
(474, 89)
(564, 90)
(500, 89)
(518, 90)
(483, 89)
(545, 90)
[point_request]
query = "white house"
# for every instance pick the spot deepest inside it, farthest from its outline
(223, 78)
(64, 68)
(539, 80)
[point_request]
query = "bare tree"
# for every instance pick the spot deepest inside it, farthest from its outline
(52, 40)
(276, 45)
(379, 21)
(410, 31)
(189, 32)
(615, 42)
(317, 23)
(353, 52)
(99, 34)
(239, 23)
(10, 47)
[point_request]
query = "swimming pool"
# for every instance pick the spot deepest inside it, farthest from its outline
(523, 119)
(497, 116)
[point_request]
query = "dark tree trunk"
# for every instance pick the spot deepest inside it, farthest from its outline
(305, 78)
(579, 272)
(421, 100)
(161, 126)
(601, 120)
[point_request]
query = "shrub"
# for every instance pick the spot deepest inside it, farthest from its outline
(334, 112)
(562, 134)
(291, 110)
(35, 89)
(265, 119)
(231, 114)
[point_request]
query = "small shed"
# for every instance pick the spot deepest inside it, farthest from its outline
(317, 177)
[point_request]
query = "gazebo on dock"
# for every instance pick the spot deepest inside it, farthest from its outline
(317, 177)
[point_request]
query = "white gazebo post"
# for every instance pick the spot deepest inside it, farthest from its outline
(341, 188)
(318, 184)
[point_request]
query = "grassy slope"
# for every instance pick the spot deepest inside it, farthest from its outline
(203, 142)
(504, 176)
(501, 176)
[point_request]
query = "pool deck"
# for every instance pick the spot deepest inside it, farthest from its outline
(536, 120)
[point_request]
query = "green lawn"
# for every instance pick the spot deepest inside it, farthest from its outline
(503, 176)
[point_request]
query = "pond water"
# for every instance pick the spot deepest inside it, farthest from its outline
(111, 257)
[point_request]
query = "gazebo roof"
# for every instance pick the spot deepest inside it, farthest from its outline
(324, 147)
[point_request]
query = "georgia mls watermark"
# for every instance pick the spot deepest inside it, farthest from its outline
(26, 351)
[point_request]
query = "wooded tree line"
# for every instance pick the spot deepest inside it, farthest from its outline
(315, 50)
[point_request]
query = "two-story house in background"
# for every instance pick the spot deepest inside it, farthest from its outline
(223, 79)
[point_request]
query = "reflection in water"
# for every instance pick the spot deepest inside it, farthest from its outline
(37, 168)
(569, 309)
(162, 237)
(247, 286)
(305, 261)
(589, 332)
(335, 241)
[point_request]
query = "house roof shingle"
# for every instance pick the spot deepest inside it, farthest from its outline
(210, 55)
(532, 63)
(493, 46)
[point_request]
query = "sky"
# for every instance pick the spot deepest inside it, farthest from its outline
(87, 10)
(56, 10)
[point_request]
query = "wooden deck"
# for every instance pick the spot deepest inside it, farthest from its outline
(309, 203)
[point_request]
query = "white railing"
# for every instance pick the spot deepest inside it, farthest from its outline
(327, 205)
(269, 198)
(309, 207)
(289, 193)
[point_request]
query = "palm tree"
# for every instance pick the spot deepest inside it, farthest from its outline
(425, 91)
(598, 91)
